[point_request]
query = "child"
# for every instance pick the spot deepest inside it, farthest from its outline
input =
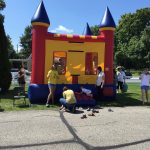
(86, 91)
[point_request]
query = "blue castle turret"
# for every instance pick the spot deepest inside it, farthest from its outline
(107, 20)
(88, 30)
(40, 15)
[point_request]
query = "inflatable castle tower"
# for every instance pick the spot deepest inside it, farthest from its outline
(76, 56)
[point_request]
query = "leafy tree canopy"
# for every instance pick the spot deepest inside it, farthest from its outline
(132, 39)
(2, 4)
(95, 30)
(26, 43)
(11, 52)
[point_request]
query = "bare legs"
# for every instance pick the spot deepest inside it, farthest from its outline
(146, 92)
(144, 95)
(51, 95)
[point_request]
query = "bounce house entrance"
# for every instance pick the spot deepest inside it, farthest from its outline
(75, 62)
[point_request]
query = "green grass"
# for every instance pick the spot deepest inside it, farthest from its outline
(131, 98)
(136, 74)
(6, 103)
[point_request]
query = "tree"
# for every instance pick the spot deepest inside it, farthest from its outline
(26, 43)
(11, 52)
(95, 30)
(2, 4)
(132, 38)
(5, 75)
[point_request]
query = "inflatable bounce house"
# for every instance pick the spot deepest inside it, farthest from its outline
(76, 56)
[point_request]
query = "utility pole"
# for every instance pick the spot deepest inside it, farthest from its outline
(17, 48)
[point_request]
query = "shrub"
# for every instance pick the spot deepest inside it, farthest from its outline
(5, 75)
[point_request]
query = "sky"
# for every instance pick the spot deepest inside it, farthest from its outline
(66, 16)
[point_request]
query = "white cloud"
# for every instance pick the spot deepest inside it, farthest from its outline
(62, 29)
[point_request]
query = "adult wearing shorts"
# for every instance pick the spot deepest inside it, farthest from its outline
(52, 81)
(145, 84)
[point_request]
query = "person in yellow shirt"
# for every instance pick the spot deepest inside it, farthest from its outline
(68, 101)
(52, 81)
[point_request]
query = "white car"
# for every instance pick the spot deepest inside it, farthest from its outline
(14, 73)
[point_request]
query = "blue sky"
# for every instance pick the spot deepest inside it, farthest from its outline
(66, 16)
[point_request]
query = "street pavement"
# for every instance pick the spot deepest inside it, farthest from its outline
(122, 128)
(133, 80)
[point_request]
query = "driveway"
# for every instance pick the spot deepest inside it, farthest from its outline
(126, 128)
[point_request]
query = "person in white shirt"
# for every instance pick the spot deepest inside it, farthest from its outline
(100, 82)
(120, 79)
(145, 84)
(86, 91)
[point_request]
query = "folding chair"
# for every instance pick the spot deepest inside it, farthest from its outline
(19, 93)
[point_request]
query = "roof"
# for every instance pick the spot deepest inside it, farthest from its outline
(40, 15)
(107, 20)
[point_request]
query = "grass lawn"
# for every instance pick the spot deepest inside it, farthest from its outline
(6, 103)
(131, 98)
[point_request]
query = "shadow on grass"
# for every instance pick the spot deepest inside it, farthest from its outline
(23, 106)
(1, 109)
(124, 99)
(8, 95)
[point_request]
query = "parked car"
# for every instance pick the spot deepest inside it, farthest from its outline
(14, 73)
(128, 75)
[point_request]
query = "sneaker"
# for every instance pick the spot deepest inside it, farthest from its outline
(83, 116)
(110, 110)
(47, 105)
(89, 109)
(95, 111)
(91, 114)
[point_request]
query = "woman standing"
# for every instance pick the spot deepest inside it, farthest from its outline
(145, 83)
(100, 82)
(120, 79)
(52, 80)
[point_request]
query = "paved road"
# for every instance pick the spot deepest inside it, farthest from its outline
(133, 80)
(126, 128)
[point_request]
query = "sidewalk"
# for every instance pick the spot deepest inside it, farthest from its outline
(126, 128)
